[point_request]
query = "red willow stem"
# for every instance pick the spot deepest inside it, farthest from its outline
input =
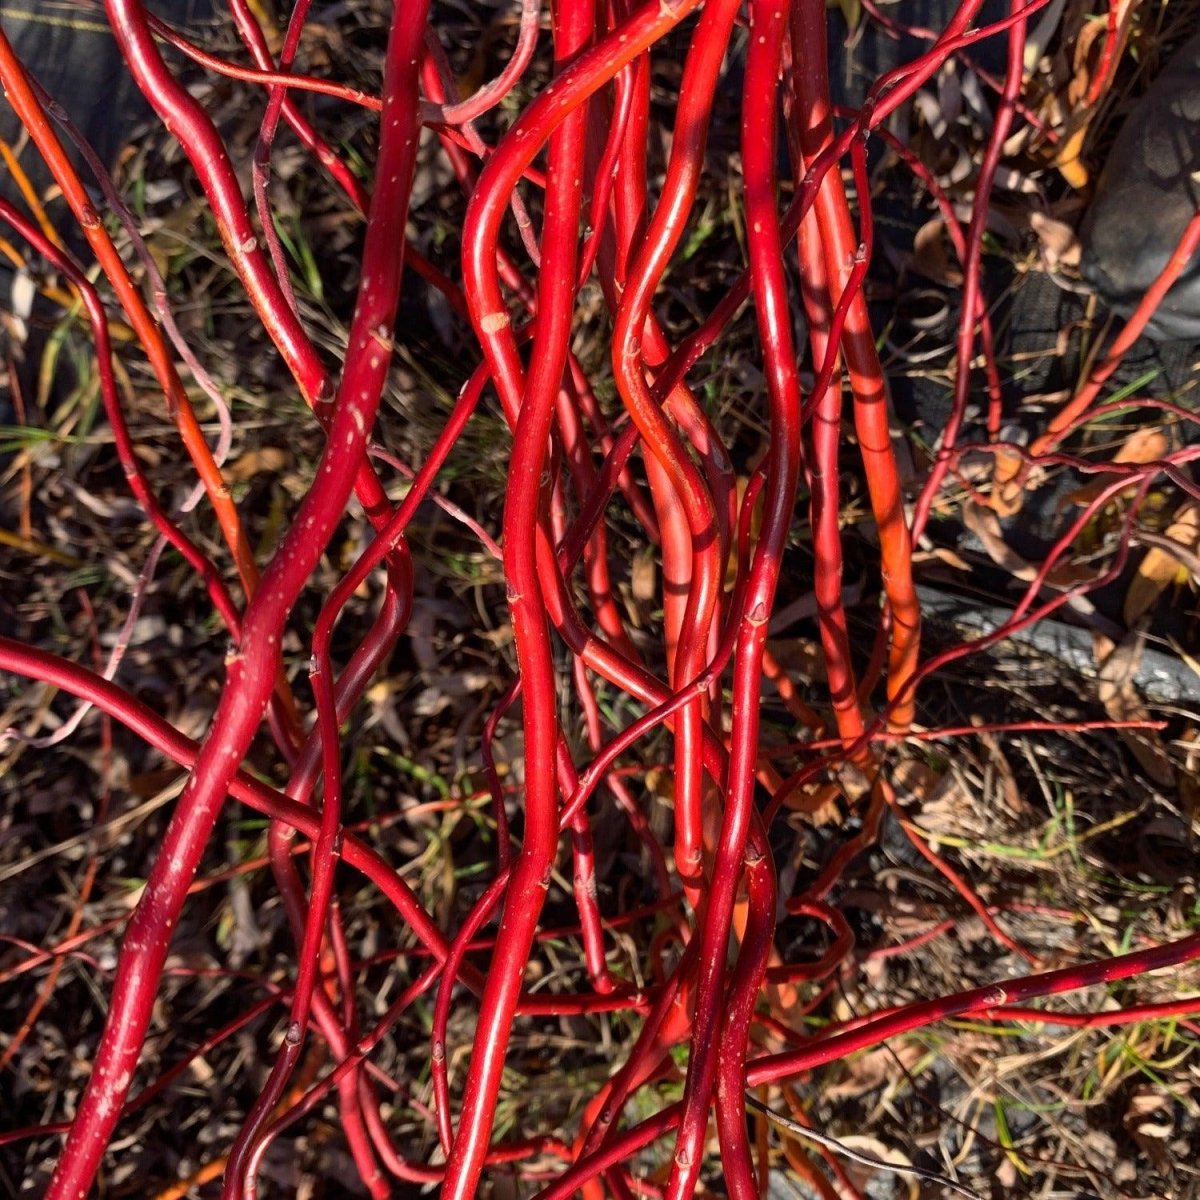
(958, 240)
(20, 95)
(188, 121)
(196, 134)
(147, 724)
(126, 453)
(692, 561)
(827, 1047)
(890, 92)
(972, 260)
(742, 999)
(894, 28)
(1025, 614)
(30, 100)
(261, 162)
(992, 999)
(251, 670)
(768, 27)
(265, 78)
(307, 916)
(529, 400)
(1100, 78)
(556, 517)
(960, 885)
(256, 42)
(826, 403)
(488, 96)
(842, 250)
(529, 405)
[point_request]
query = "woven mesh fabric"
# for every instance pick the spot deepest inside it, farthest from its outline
(68, 48)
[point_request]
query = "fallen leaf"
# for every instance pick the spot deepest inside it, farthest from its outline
(1118, 668)
(984, 523)
(1007, 494)
(931, 254)
(820, 803)
(1160, 568)
(1149, 1120)
(1057, 240)
(877, 1068)
(1142, 446)
(265, 460)
(643, 578)
(1068, 162)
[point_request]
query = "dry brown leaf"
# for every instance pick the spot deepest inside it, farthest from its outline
(931, 254)
(1085, 89)
(266, 460)
(942, 803)
(946, 555)
(1142, 446)
(1089, 56)
(1059, 245)
(1118, 668)
(643, 577)
(915, 779)
(639, 595)
(1160, 568)
(1007, 494)
(820, 804)
(984, 523)
(877, 1068)
(1149, 1120)
(1068, 161)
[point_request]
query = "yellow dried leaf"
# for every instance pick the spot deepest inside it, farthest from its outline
(1159, 569)
(1143, 446)
(1068, 162)
(1007, 494)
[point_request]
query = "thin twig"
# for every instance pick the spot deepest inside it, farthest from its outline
(858, 1156)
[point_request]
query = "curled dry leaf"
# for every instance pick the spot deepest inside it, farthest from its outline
(1170, 559)
(1007, 494)
(266, 460)
(1056, 240)
(931, 254)
(1118, 668)
(985, 525)
(1145, 445)
(1091, 68)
